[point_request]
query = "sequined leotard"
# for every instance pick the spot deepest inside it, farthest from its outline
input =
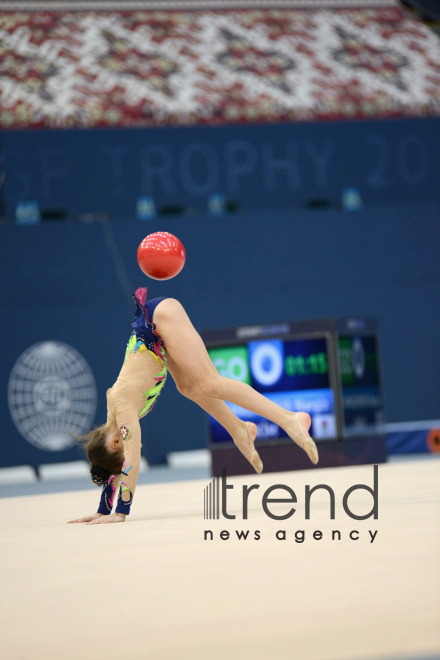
(133, 396)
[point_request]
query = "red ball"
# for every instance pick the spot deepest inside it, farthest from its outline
(161, 255)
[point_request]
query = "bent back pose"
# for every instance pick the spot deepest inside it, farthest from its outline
(171, 343)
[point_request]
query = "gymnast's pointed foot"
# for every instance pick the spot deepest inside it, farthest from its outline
(298, 430)
(246, 445)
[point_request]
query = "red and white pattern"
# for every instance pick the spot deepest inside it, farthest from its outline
(142, 68)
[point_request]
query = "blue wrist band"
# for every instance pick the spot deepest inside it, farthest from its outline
(107, 497)
(122, 506)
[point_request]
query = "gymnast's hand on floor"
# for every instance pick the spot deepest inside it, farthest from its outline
(86, 519)
(112, 518)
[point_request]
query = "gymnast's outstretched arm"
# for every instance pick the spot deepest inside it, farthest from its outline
(129, 429)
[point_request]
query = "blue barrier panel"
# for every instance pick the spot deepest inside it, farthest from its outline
(265, 166)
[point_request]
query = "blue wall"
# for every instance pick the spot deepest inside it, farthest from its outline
(58, 281)
(267, 166)
(270, 262)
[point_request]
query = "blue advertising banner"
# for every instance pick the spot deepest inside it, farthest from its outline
(249, 167)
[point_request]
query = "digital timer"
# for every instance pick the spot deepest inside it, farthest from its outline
(316, 363)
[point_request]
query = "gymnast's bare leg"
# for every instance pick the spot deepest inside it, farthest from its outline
(242, 433)
(187, 350)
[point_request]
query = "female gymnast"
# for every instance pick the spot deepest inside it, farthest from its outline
(171, 343)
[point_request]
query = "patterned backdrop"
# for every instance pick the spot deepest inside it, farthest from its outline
(140, 68)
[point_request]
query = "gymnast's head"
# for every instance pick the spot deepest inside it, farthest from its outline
(105, 450)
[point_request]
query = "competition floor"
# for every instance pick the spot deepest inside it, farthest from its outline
(154, 588)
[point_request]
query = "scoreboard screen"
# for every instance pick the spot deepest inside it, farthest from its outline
(292, 372)
(361, 392)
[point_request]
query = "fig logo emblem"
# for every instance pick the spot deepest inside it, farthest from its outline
(51, 395)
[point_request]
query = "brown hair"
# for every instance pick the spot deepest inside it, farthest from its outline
(104, 462)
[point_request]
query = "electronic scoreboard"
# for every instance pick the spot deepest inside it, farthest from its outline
(328, 368)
